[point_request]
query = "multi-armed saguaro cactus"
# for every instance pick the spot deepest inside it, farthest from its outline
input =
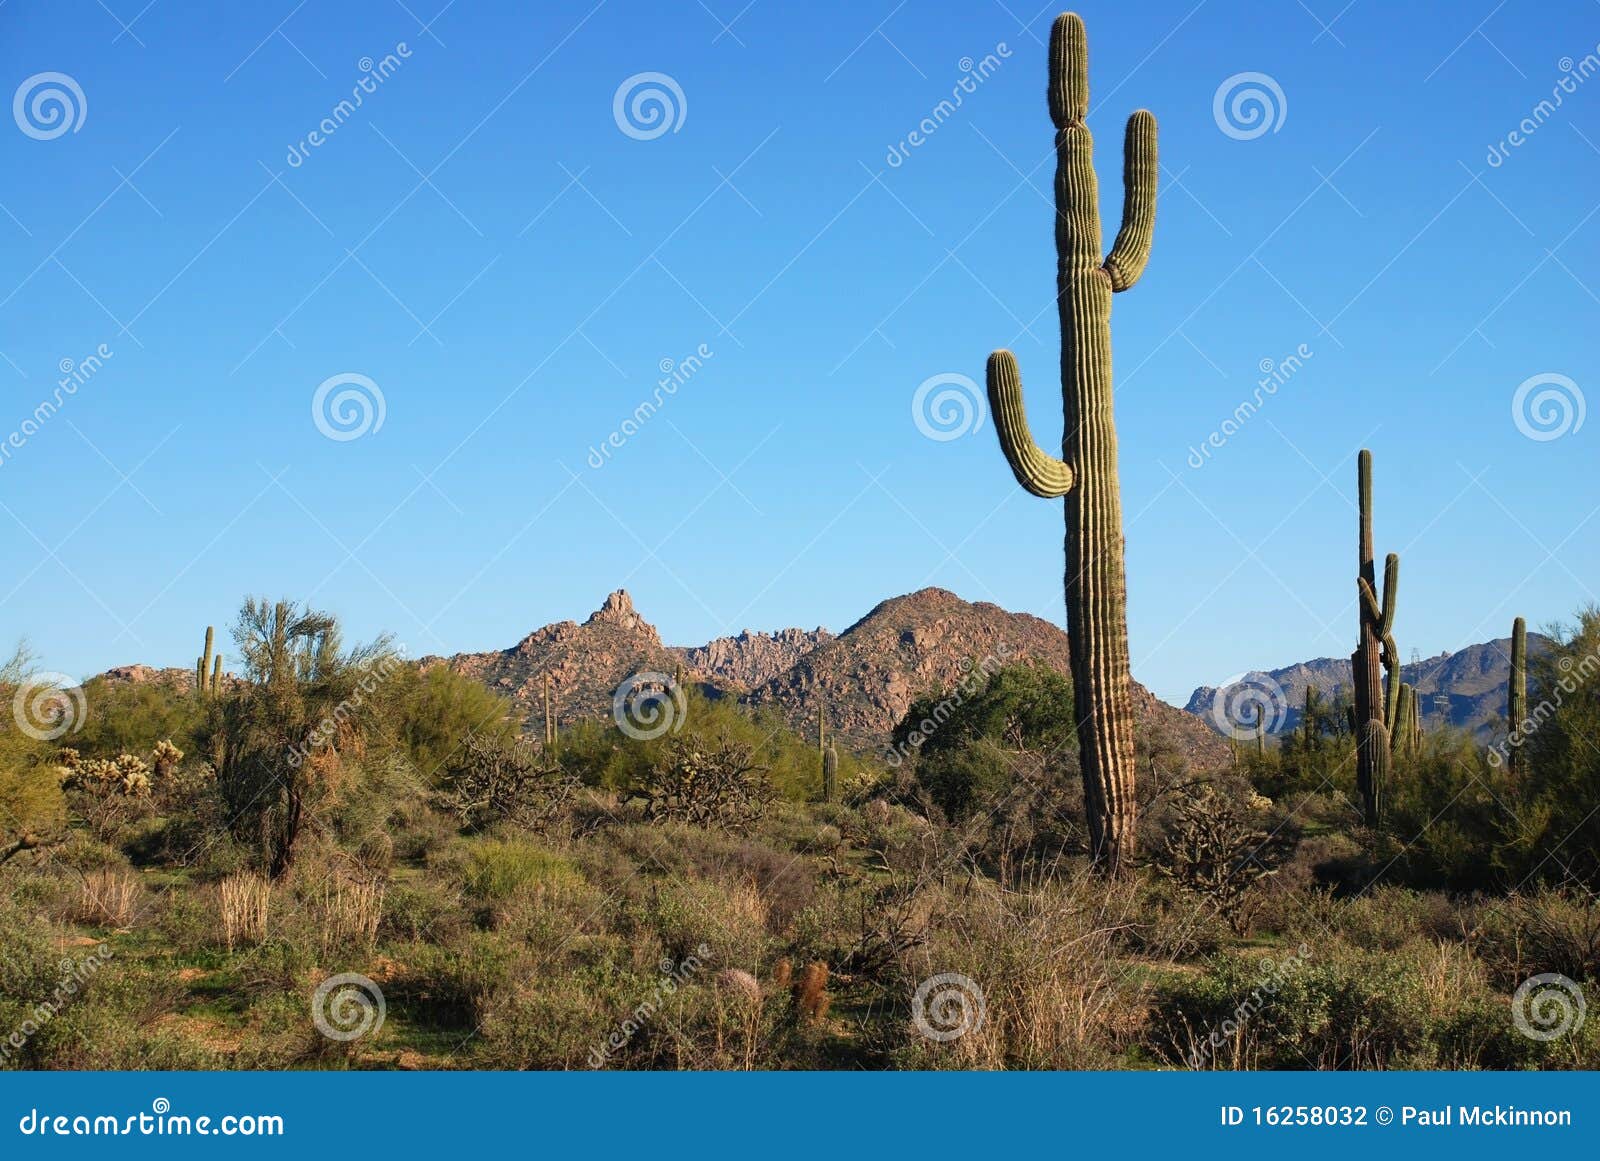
(1517, 693)
(1086, 473)
(1375, 713)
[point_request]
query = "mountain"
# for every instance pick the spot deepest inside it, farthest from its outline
(1466, 688)
(867, 676)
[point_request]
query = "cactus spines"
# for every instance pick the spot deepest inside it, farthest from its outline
(1376, 711)
(1086, 473)
(1517, 692)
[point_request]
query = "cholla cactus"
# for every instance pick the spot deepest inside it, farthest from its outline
(164, 759)
(1086, 473)
(132, 776)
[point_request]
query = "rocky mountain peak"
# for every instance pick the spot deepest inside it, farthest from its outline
(618, 611)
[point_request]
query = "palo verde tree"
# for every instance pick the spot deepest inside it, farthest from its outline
(284, 736)
(1086, 473)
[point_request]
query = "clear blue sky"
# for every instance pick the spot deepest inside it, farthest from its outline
(514, 307)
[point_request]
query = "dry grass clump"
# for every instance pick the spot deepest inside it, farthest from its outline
(245, 900)
(109, 898)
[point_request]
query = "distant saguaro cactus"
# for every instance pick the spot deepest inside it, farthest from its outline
(1086, 473)
(1517, 692)
(216, 676)
(1374, 712)
(202, 667)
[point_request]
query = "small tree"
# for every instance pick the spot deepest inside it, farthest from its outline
(282, 737)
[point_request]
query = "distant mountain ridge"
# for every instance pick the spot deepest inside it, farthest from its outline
(1466, 689)
(867, 676)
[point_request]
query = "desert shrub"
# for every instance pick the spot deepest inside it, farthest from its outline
(704, 782)
(488, 780)
(1219, 850)
(1330, 1006)
(723, 925)
(422, 909)
(497, 869)
(1038, 965)
(452, 986)
(432, 710)
(1544, 930)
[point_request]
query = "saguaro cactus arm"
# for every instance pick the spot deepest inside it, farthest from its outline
(1131, 251)
(1036, 470)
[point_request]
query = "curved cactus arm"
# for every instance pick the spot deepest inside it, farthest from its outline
(1036, 470)
(1140, 170)
(1369, 601)
(1391, 588)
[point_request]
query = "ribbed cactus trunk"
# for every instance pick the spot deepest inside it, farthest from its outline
(1086, 474)
(1517, 694)
(1375, 650)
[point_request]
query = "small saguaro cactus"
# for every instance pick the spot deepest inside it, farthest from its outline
(826, 754)
(1517, 693)
(1374, 711)
(1086, 473)
(216, 676)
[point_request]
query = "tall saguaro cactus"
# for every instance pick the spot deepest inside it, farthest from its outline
(1086, 473)
(1517, 693)
(1375, 715)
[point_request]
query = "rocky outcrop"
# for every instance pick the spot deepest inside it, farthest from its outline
(752, 659)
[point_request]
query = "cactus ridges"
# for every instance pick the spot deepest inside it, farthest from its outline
(1036, 470)
(216, 675)
(1376, 710)
(1086, 473)
(1517, 691)
(830, 775)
